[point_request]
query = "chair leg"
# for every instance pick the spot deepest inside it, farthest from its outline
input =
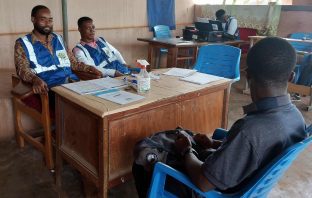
(18, 126)
(48, 151)
(158, 59)
(246, 90)
(309, 108)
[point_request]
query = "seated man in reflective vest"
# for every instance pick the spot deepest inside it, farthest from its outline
(41, 57)
(97, 52)
(229, 24)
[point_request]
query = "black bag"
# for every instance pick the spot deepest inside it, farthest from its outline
(159, 148)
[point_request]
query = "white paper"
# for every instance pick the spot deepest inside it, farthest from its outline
(119, 97)
(180, 72)
(201, 78)
(93, 86)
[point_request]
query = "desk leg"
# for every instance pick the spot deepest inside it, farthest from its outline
(150, 56)
(194, 56)
(58, 172)
(172, 57)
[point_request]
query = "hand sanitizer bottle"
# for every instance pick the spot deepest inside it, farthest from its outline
(143, 79)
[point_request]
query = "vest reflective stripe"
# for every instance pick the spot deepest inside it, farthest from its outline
(86, 52)
(110, 58)
(32, 57)
(64, 61)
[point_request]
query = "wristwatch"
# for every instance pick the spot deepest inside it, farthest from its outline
(188, 150)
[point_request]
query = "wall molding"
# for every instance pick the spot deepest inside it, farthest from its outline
(98, 29)
(305, 8)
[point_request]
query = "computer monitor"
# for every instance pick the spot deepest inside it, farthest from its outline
(216, 25)
(203, 26)
(211, 32)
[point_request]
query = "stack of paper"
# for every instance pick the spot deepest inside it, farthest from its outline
(93, 86)
(201, 78)
(118, 96)
(180, 72)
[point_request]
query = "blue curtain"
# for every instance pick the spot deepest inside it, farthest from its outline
(161, 12)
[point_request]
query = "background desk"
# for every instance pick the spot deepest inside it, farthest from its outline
(97, 137)
(174, 44)
(254, 39)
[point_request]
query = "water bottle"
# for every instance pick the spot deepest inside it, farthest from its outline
(144, 80)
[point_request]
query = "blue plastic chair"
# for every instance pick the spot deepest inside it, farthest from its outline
(299, 46)
(162, 31)
(219, 60)
(259, 187)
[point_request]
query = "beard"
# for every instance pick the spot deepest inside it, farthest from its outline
(43, 30)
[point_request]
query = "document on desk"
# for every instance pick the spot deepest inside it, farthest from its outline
(179, 72)
(201, 78)
(119, 96)
(93, 86)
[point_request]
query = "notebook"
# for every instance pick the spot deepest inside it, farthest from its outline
(201, 78)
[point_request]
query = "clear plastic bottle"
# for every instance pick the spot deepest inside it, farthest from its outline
(144, 80)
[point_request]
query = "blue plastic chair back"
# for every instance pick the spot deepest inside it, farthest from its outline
(219, 60)
(162, 31)
(259, 187)
(299, 46)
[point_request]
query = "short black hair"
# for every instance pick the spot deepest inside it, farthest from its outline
(82, 20)
(36, 9)
(271, 61)
(220, 13)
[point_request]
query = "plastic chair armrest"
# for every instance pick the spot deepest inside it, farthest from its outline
(162, 170)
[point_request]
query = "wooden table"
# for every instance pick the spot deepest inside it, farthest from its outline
(97, 137)
(254, 39)
(174, 44)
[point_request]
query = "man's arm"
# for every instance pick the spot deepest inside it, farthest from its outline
(24, 71)
(232, 27)
(193, 169)
(192, 164)
(22, 64)
(80, 66)
(80, 57)
(117, 53)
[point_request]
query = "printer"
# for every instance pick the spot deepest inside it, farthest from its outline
(209, 31)
(188, 32)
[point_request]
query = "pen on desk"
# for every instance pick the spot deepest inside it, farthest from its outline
(116, 95)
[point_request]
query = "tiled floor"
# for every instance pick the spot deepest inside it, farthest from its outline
(22, 173)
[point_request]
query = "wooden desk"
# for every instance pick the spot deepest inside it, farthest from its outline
(254, 39)
(97, 137)
(174, 44)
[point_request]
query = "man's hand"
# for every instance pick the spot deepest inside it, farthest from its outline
(95, 71)
(39, 86)
(182, 143)
(117, 74)
(203, 141)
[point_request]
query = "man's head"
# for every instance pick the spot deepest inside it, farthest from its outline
(86, 29)
(270, 65)
(221, 16)
(42, 19)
